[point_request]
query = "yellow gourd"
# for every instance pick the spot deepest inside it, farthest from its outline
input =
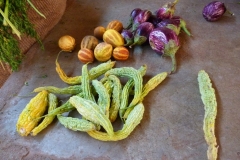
(31, 114)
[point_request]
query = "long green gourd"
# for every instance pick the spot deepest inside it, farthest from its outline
(116, 97)
(103, 97)
(91, 111)
(132, 121)
(149, 86)
(126, 91)
(210, 106)
(76, 124)
(52, 104)
(131, 73)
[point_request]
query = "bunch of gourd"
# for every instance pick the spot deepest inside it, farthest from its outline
(99, 95)
(105, 43)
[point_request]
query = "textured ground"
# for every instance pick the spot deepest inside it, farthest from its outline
(171, 128)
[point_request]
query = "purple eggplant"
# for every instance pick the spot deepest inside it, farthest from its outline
(176, 23)
(165, 42)
(214, 10)
(154, 20)
(142, 33)
(133, 14)
(143, 16)
(128, 37)
(166, 11)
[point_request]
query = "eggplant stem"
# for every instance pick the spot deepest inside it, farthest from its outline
(186, 31)
(175, 2)
(183, 26)
(229, 12)
(174, 64)
(129, 24)
(133, 44)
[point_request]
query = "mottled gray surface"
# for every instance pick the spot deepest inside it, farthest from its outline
(171, 128)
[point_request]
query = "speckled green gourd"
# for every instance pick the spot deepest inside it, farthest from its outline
(210, 106)
(132, 121)
(66, 90)
(103, 97)
(52, 104)
(91, 111)
(76, 124)
(116, 97)
(135, 75)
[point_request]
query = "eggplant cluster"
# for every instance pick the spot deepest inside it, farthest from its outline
(160, 29)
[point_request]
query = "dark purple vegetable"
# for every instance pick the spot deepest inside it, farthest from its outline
(143, 16)
(154, 20)
(142, 33)
(214, 10)
(128, 37)
(164, 41)
(133, 14)
(176, 23)
(166, 11)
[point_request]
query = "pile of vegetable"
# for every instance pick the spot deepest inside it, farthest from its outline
(100, 97)
(159, 29)
(14, 22)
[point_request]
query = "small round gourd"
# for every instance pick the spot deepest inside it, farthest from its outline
(103, 51)
(85, 55)
(67, 43)
(120, 53)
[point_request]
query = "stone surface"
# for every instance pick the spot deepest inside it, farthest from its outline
(171, 128)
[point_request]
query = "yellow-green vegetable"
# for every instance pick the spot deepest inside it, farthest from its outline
(91, 111)
(76, 124)
(103, 97)
(131, 73)
(126, 92)
(93, 72)
(132, 121)
(31, 114)
(66, 90)
(116, 97)
(153, 83)
(66, 107)
(210, 106)
(86, 84)
(52, 104)
(150, 85)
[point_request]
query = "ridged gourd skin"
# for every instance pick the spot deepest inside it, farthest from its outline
(52, 104)
(89, 42)
(67, 43)
(85, 55)
(116, 25)
(103, 51)
(30, 116)
(131, 123)
(120, 53)
(113, 37)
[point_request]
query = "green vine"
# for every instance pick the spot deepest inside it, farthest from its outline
(14, 22)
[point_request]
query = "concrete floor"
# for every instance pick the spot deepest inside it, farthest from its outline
(171, 128)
